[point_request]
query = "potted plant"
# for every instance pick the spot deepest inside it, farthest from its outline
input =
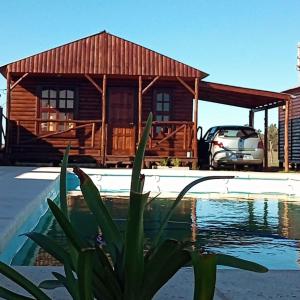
(123, 266)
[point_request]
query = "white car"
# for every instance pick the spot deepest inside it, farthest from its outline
(231, 145)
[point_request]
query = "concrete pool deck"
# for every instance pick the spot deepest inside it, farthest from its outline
(231, 284)
(24, 189)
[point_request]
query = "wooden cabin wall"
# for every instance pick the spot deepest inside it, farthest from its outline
(294, 129)
(25, 97)
(181, 110)
(24, 100)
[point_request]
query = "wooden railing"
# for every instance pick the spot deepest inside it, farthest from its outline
(3, 120)
(70, 125)
(164, 131)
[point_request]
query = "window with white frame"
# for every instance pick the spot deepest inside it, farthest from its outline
(56, 104)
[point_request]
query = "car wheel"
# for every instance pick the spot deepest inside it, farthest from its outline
(258, 168)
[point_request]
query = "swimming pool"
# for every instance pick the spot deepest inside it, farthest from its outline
(262, 230)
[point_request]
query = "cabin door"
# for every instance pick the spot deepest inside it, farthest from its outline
(121, 129)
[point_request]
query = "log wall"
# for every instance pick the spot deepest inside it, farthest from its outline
(25, 110)
(294, 129)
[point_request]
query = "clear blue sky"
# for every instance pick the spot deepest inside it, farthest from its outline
(238, 42)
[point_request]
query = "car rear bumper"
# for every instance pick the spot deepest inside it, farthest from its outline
(239, 161)
(239, 158)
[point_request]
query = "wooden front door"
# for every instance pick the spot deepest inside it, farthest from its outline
(121, 128)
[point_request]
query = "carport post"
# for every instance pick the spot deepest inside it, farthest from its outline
(286, 136)
(266, 140)
(251, 118)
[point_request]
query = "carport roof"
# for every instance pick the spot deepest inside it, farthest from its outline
(240, 96)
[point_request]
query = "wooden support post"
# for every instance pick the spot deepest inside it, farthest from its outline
(103, 125)
(8, 105)
(1, 126)
(196, 96)
(286, 136)
(93, 135)
(140, 107)
(18, 132)
(266, 140)
(251, 118)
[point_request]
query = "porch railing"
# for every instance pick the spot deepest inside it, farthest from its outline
(51, 125)
(170, 131)
(3, 120)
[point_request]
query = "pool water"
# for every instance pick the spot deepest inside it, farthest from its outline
(261, 230)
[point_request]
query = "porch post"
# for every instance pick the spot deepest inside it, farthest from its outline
(196, 96)
(286, 136)
(251, 118)
(1, 126)
(103, 124)
(266, 140)
(140, 107)
(8, 104)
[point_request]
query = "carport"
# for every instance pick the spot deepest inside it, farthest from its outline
(254, 100)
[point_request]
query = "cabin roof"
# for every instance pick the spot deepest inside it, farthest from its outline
(292, 90)
(102, 53)
(105, 53)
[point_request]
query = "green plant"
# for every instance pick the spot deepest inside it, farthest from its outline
(165, 162)
(121, 269)
(176, 162)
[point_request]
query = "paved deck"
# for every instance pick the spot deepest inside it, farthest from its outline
(22, 190)
(231, 285)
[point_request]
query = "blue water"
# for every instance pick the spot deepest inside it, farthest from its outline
(261, 230)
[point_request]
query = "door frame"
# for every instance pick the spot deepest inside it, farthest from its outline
(135, 117)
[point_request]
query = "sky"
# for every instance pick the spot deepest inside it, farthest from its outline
(238, 42)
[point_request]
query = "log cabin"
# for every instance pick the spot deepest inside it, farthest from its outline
(294, 128)
(96, 93)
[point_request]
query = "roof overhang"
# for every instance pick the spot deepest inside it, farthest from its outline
(239, 96)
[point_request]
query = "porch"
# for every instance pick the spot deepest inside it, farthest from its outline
(168, 139)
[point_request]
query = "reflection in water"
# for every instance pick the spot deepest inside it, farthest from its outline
(265, 231)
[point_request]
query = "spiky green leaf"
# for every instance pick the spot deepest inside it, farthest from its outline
(205, 270)
(67, 227)
(134, 244)
(71, 286)
(50, 246)
(161, 265)
(63, 182)
(50, 284)
(85, 272)
(234, 262)
(9, 295)
(106, 274)
(92, 197)
(136, 182)
(22, 281)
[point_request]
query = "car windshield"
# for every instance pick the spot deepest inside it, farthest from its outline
(237, 132)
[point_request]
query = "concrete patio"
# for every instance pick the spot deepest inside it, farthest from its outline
(231, 284)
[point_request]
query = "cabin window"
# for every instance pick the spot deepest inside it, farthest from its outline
(162, 108)
(56, 107)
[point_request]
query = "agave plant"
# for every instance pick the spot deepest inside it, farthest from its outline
(122, 268)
